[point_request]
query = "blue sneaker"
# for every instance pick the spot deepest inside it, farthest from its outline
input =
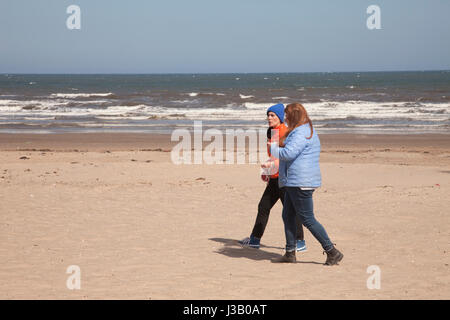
(251, 242)
(301, 246)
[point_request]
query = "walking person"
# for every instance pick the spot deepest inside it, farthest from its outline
(275, 118)
(299, 174)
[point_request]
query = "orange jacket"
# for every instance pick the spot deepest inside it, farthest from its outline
(279, 133)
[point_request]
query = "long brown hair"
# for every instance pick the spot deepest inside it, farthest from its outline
(296, 116)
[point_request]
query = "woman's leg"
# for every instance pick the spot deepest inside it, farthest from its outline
(289, 219)
(303, 206)
(268, 200)
(298, 221)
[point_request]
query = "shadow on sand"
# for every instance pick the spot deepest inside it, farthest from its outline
(233, 249)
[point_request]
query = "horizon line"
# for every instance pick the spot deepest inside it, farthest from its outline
(209, 73)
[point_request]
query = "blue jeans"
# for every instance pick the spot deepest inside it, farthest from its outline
(299, 202)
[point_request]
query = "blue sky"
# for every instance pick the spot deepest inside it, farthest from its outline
(198, 36)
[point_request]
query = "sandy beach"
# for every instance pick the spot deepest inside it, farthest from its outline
(141, 227)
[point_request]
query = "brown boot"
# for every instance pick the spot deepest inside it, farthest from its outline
(289, 257)
(333, 257)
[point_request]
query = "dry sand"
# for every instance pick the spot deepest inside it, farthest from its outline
(140, 227)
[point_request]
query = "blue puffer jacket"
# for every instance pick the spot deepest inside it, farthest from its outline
(299, 159)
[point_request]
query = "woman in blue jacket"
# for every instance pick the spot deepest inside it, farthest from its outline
(299, 173)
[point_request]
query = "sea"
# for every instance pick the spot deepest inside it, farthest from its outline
(337, 102)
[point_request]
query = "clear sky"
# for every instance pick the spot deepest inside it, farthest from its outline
(198, 36)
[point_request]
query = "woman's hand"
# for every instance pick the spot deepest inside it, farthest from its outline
(266, 165)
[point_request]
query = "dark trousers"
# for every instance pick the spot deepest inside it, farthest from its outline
(298, 204)
(268, 200)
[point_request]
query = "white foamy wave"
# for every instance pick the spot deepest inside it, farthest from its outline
(5, 110)
(38, 118)
(195, 94)
(6, 102)
(80, 95)
(377, 110)
(227, 113)
(58, 110)
(318, 111)
(323, 110)
(43, 104)
(180, 101)
(279, 98)
(119, 109)
(245, 97)
(257, 106)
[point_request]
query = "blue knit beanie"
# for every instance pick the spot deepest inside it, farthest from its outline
(278, 109)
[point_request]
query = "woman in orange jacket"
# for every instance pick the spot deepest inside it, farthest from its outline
(275, 132)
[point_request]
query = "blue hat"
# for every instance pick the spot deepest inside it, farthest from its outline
(278, 109)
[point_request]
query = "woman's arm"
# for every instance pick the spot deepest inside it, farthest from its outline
(294, 145)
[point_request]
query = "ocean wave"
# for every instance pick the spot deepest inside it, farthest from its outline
(368, 109)
(80, 95)
(347, 111)
(171, 116)
(245, 97)
(333, 125)
(257, 106)
(205, 94)
(37, 106)
(181, 101)
(129, 103)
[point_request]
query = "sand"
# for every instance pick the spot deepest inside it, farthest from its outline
(140, 227)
